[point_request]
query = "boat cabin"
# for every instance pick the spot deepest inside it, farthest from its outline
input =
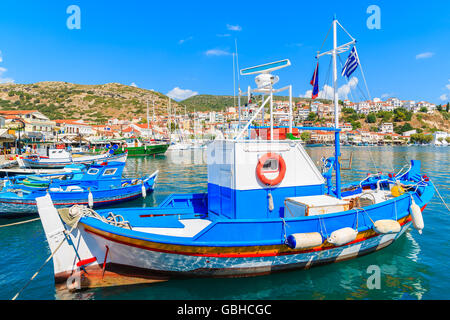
(250, 179)
(105, 171)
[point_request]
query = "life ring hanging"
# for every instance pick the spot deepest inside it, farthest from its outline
(124, 145)
(281, 169)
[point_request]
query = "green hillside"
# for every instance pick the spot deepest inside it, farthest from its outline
(95, 103)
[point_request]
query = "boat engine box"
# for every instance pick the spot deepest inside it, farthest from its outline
(314, 205)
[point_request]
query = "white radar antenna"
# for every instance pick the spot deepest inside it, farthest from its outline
(265, 82)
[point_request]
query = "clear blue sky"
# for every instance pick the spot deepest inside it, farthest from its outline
(161, 45)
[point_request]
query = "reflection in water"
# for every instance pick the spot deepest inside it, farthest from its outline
(414, 267)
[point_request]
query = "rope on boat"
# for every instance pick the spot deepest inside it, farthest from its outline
(17, 223)
(76, 212)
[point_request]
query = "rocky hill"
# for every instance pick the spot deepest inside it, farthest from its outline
(205, 102)
(95, 103)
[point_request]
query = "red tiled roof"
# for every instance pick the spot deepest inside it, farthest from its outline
(13, 112)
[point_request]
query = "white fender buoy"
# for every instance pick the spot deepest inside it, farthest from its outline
(144, 191)
(270, 201)
(304, 240)
(416, 215)
(386, 226)
(342, 236)
(90, 199)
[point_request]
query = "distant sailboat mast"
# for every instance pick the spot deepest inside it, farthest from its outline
(148, 122)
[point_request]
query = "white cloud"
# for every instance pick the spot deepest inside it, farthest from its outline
(386, 95)
(234, 28)
(327, 91)
(181, 94)
(444, 97)
(224, 35)
(184, 40)
(424, 55)
(448, 85)
(217, 52)
(134, 85)
(1, 58)
(4, 80)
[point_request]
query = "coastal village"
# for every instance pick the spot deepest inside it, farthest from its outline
(372, 122)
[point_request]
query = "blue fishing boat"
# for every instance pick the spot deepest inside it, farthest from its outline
(268, 208)
(94, 185)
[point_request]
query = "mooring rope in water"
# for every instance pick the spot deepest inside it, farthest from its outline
(17, 223)
(46, 261)
(439, 194)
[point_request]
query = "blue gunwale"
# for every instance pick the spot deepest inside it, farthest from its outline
(276, 236)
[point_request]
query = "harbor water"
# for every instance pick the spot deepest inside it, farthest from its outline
(414, 267)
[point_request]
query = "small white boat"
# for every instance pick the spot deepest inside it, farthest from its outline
(59, 158)
(179, 146)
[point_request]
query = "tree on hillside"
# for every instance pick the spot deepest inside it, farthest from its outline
(306, 136)
(385, 115)
(348, 110)
(311, 116)
(351, 117)
(401, 114)
(423, 109)
(355, 125)
(401, 129)
(421, 138)
(371, 118)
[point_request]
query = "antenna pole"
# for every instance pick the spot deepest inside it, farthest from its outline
(271, 112)
(290, 109)
(234, 83)
(239, 84)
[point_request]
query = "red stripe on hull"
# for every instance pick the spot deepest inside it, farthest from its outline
(231, 255)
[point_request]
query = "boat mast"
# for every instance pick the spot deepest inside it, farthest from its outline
(335, 84)
(336, 112)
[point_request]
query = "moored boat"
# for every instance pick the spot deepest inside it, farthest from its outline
(134, 147)
(59, 158)
(96, 186)
(268, 208)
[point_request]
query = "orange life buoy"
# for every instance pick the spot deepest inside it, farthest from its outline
(281, 169)
(124, 146)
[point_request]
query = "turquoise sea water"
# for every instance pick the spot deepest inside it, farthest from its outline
(414, 267)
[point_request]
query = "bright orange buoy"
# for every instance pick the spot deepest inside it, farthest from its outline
(281, 169)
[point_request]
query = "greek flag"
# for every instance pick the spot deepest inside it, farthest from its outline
(351, 64)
